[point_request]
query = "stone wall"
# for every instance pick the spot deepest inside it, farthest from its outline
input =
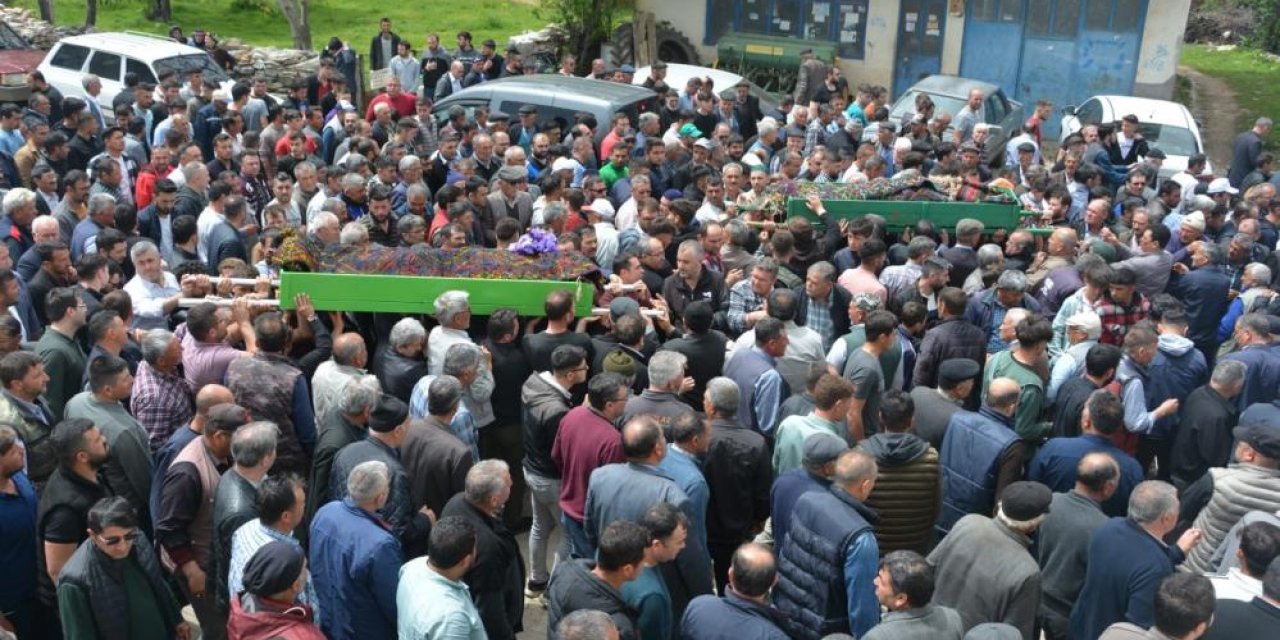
(39, 33)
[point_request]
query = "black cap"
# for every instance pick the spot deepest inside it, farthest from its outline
(273, 568)
(659, 65)
(528, 109)
(389, 413)
(1263, 436)
(957, 370)
(1025, 500)
(1026, 147)
(1156, 153)
(227, 417)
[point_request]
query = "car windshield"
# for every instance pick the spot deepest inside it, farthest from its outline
(942, 104)
(9, 39)
(185, 63)
(1173, 140)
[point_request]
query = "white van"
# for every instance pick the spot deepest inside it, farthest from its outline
(111, 55)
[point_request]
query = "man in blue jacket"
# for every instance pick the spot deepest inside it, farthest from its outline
(1054, 465)
(827, 569)
(744, 613)
(355, 559)
(1128, 560)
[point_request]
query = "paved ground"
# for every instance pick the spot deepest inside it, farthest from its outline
(535, 617)
(1214, 106)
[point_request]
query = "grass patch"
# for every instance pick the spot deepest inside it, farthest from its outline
(353, 22)
(1182, 90)
(1253, 77)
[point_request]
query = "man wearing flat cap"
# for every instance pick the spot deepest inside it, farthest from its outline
(935, 406)
(388, 427)
(510, 199)
(1221, 497)
(984, 569)
(269, 606)
(820, 451)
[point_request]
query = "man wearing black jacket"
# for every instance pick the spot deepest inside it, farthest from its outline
(383, 46)
(497, 575)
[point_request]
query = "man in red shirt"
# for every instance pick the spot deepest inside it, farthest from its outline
(586, 441)
(1034, 125)
(405, 104)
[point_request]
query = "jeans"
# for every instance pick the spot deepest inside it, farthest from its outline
(580, 545)
(544, 498)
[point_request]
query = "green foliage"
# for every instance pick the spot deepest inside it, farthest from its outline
(1252, 76)
(264, 7)
(1266, 14)
(587, 22)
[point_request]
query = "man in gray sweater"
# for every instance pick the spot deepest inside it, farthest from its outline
(1064, 539)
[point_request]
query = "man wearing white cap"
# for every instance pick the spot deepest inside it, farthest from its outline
(1083, 331)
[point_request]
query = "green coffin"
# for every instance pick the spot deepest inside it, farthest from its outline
(903, 214)
(417, 294)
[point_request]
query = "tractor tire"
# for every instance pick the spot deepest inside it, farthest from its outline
(673, 46)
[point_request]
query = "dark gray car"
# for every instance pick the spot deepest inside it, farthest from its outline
(556, 98)
(949, 94)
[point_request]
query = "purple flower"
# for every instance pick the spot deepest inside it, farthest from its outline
(536, 242)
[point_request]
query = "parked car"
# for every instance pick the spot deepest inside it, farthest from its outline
(111, 55)
(723, 81)
(556, 97)
(17, 59)
(949, 95)
(1166, 125)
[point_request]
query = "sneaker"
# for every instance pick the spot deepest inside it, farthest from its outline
(535, 589)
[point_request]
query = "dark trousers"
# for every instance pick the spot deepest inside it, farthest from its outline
(213, 622)
(506, 442)
(721, 560)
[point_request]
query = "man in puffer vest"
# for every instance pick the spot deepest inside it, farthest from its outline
(1220, 498)
(826, 574)
(907, 490)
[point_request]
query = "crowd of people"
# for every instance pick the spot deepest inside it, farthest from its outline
(768, 429)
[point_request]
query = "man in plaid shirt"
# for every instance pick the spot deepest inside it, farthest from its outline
(746, 298)
(163, 400)
(1122, 307)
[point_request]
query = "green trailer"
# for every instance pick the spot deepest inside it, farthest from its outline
(904, 214)
(417, 294)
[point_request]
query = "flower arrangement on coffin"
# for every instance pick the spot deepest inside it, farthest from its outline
(535, 242)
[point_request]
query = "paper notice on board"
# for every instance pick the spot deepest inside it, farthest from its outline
(851, 19)
(820, 11)
(784, 25)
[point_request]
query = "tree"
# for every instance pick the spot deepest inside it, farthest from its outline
(587, 24)
(298, 13)
(46, 10)
(91, 13)
(160, 11)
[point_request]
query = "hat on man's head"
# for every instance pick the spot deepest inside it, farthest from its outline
(969, 146)
(1103, 250)
(1263, 435)
(866, 301)
(623, 306)
(1026, 147)
(704, 143)
(227, 417)
(273, 568)
(1088, 320)
(659, 65)
(1025, 500)
(565, 164)
(389, 413)
(690, 131)
(527, 110)
(603, 208)
(1156, 153)
(673, 194)
(1201, 202)
(794, 130)
(1222, 185)
(993, 631)
(1193, 221)
(512, 174)
(620, 363)
(823, 448)
(957, 370)
(626, 68)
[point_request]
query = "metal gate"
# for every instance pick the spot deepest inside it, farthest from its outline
(921, 26)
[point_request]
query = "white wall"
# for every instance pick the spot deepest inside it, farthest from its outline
(1161, 47)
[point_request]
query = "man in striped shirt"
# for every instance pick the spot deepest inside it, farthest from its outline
(281, 504)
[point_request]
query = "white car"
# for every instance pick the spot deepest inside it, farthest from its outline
(723, 81)
(1165, 125)
(111, 55)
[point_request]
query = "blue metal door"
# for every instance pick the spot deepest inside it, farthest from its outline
(993, 43)
(1109, 42)
(921, 25)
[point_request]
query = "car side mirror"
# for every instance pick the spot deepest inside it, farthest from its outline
(1069, 110)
